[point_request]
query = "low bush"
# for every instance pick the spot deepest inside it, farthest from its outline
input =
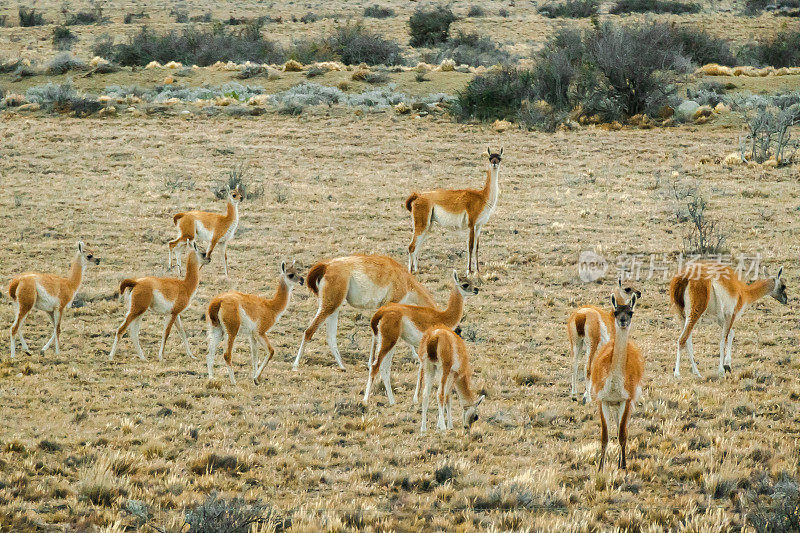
(769, 133)
(430, 25)
(495, 95)
(30, 17)
(233, 516)
(476, 11)
(569, 9)
(675, 7)
(469, 49)
(703, 48)
(378, 12)
(63, 63)
(130, 18)
(354, 44)
(503, 12)
(63, 38)
(783, 50)
(62, 98)
(95, 16)
(756, 7)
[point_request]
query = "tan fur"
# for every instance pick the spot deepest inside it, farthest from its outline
(716, 287)
(57, 293)
(458, 204)
(225, 313)
(218, 224)
(616, 376)
(444, 354)
(389, 324)
(345, 279)
(152, 293)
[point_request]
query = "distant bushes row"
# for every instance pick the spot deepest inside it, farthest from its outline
(589, 8)
(351, 44)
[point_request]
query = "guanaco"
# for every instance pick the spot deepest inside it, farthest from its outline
(588, 329)
(233, 312)
(48, 293)
(165, 296)
(458, 209)
(615, 379)
(394, 321)
(708, 288)
(365, 282)
(444, 354)
(214, 228)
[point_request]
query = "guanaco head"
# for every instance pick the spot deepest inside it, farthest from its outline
(494, 158)
(465, 286)
(202, 256)
(623, 312)
(779, 290)
(471, 412)
(235, 196)
(291, 274)
(624, 292)
(87, 257)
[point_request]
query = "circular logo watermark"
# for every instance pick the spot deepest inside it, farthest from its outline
(591, 266)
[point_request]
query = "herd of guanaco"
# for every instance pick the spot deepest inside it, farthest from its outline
(403, 309)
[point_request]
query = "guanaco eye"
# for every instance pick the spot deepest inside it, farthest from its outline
(628, 290)
(465, 286)
(89, 256)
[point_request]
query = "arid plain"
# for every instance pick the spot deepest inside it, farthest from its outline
(159, 438)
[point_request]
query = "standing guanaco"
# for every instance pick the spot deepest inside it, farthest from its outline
(716, 290)
(232, 312)
(214, 228)
(588, 329)
(394, 321)
(616, 376)
(48, 293)
(444, 354)
(458, 209)
(365, 282)
(165, 296)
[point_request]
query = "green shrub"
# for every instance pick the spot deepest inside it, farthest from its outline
(354, 44)
(63, 63)
(783, 50)
(469, 49)
(476, 12)
(496, 94)
(30, 17)
(570, 9)
(702, 48)
(623, 7)
(95, 16)
(378, 12)
(63, 38)
(430, 25)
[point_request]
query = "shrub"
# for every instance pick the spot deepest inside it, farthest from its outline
(233, 516)
(205, 17)
(431, 25)
(3, 21)
(570, 9)
(63, 38)
(236, 178)
(309, 17)
(476, 11)
(133, 17)
(181, 17)
(623, 7)
(769, 133)
(62, 98)
(755, 7)
(378, 12)
(95, 16)
(781, 51)
(354, 44)
(30, 17)
(376, 77)
(495, 95)
(503, 12)
(469, 49)
(63, 63)
(193, 46)
(702, 48)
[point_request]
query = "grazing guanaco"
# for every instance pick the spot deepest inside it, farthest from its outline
(233, 312)
(48, 293)
(588, 329)
(444, 354)
(394, 321)
(214, 228)
(616, 376)
(365, 282)
(165, 296)
(459, 209)
(708, 288)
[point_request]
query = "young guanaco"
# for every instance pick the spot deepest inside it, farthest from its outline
(444, 355)
(233, 312)
(458, 209)
(616, 377)
(395, 321)
(165, 296)
(49, 293)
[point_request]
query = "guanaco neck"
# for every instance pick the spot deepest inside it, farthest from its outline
(421, 294)
(232, 213)
(463, 384)
(281, 298)
(192, 279)
(757, 290)
(75, 273)
(491, 188)
(620, 355)
(455, 309)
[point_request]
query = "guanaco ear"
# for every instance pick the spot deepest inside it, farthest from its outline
(501, 151)
(455, 276)
(619, 281)
(613, 300)
(80, 246)
(780, 272)
(488, 150)
(283, 267)
(479, 400)
(632, 303)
